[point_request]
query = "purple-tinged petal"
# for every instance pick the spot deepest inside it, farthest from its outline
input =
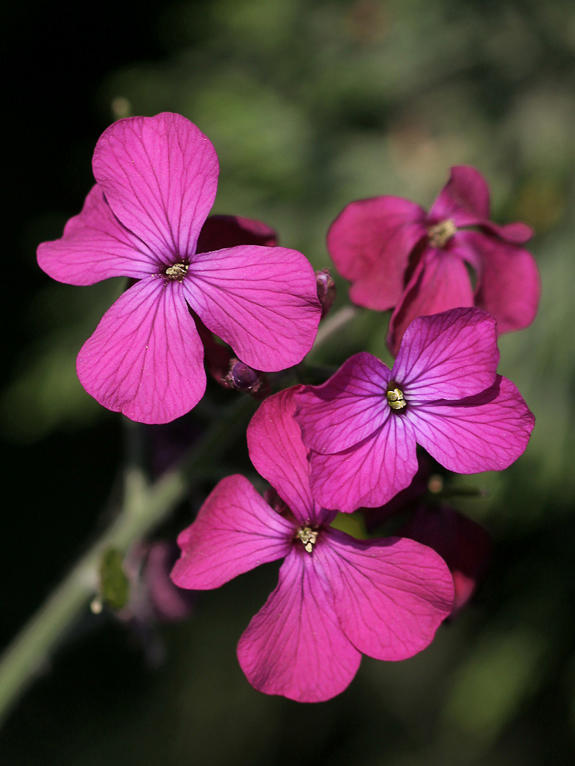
(390, 594)
(447, 356)
(462, 543)
(261, 300)
(95, 246)
(486, 432)
(370, 242)
(508, 286)
(439, 283)
(295, 646)
(234, 532)
(464, 198)
(347, 408)
(220, 231)
(279, 455)
(145, 357)
(159, 175)
(368, 474)
(513, 233)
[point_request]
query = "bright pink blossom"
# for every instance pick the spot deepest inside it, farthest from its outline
(337, 597)
(399, 257)
(156, 182)
(363, 425)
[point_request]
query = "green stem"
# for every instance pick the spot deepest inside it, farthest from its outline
(32, 647)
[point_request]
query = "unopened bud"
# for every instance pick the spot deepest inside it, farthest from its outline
(326, 290)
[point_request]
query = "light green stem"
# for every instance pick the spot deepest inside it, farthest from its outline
(140, 513)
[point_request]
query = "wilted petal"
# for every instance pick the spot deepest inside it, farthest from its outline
(391, 594)
(159, 175)
(347, 408)
(509, 285)
(95, 246)
(447, 356)
(486, 432)
(235, 531)
(145, 357)
(440, 283)
(462, 543)
(220, 231)
(279, 455)
(368, 474)
(261, 300)
(464, 198)
(370, 243)
(295, 646)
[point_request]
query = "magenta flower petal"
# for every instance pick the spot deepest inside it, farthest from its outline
(159, 175)
(440, 283)
(234, 532)
(464, 198)
(370, 243)
(513, 233)
(508, 285)
(369, 473)
(220, 231)
(278, 454)
(95, 246)
(261, 300)
(486, 432)
(463, 544)
(447, 356)
(145, 357)
(295, 646)
(347, 408)
(390, 595)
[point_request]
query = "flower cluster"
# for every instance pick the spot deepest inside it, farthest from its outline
(352, 443)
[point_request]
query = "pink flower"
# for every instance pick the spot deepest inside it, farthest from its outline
(337, 597)
(398, 256)
(156, 181)
(364, 423)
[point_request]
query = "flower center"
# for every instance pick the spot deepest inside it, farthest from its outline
(440, 234)
(177, 272)
(308, 537)
(395, 397)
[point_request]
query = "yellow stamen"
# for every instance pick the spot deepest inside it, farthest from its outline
(440, 234)
(177, 272)
(308, 536)
(396, 399)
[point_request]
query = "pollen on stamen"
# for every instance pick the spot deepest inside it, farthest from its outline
(440, 234)
(395, 397)
(177, 272)
(308, 537)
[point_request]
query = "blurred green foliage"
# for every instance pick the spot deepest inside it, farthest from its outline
(312, 105)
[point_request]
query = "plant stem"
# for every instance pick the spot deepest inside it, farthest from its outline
(142, 510)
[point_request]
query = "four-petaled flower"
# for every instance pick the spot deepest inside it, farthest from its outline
(363, 425)
(399, 257)
(156, 182)
(337, 597)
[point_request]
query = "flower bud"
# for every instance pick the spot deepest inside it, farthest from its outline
(326, 291)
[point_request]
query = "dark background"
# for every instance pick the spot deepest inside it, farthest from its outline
(309, 106)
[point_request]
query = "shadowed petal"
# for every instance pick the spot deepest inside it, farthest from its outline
(96, 246)
(447, 356)
(279, 455)
(509, 285)
(159, 175)
(462, 543)
(145, 357)
(370, 242)
(440, 282)
(235, 531)
(486, 432)
(261, 300)
(368, 474)
(464, 198)
(347, 408)
(220, 231)
(391, 595)
(294, 646)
